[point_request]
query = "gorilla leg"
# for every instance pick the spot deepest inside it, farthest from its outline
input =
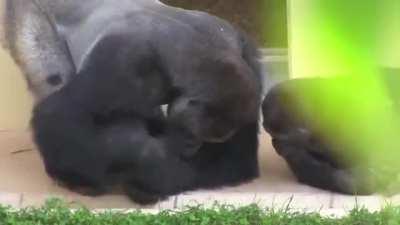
(316, 168)
(67, 143)
(230, 163)
(311, 159)
(86, 154)
(216, 164)
(159, 179)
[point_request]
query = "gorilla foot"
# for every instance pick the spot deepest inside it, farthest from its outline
(143, 197)
(182, 143)
(322, 170)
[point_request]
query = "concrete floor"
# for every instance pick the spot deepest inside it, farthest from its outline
(24, 183)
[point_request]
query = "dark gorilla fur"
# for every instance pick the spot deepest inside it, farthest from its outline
(93, 156)
(97, 120)
(293, 139)
(311, 158)
(188, 59)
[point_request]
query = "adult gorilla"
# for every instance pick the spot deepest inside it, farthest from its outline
(100, 70)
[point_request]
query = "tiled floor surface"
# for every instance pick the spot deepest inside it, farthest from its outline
(24, 183)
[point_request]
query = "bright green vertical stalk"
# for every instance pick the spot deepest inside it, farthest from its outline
(389, 47)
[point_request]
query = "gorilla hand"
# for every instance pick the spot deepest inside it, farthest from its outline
(225, 99)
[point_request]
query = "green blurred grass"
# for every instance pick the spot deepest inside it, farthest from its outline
(56, 213)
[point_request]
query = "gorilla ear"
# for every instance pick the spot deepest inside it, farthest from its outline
(31, 36)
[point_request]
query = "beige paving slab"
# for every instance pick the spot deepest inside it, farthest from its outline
(347, 202)
(209, 199)
(284, 201)
(303, 201)
(12, 142)
(22, 171)
(333, 213)
(10, 199)
(101, 202)
(394, 200)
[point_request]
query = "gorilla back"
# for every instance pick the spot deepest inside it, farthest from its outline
(198, 54)
(209, 54)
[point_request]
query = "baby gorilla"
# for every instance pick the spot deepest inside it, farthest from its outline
(291, 113)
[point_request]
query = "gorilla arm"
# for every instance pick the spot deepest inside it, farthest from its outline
(216, 106)
(224, 95)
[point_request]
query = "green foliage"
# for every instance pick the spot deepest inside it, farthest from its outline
(359, 114)
(55, 212)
